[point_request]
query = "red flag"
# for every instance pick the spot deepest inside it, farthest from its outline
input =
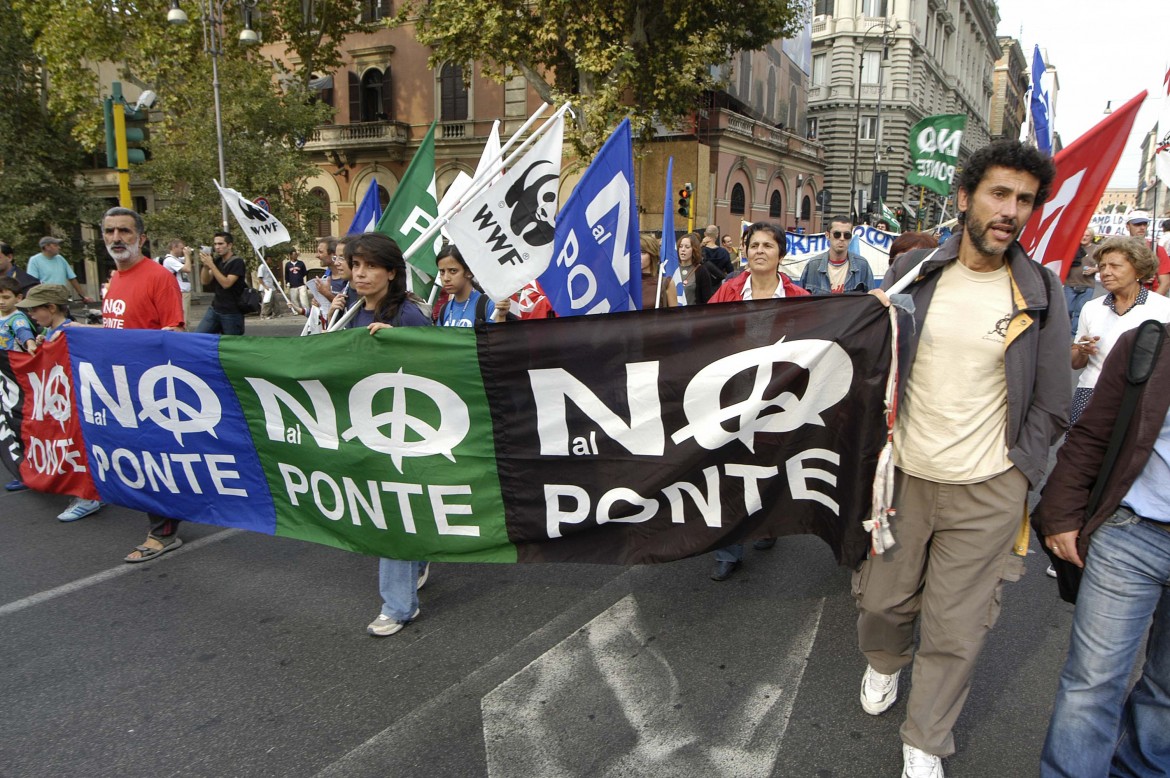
(1083, 170)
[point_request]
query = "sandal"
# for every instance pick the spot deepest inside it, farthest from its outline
(146, 552)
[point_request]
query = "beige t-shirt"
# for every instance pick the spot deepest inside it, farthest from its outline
(951, 426)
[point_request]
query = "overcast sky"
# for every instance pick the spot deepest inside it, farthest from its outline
(1102, 51)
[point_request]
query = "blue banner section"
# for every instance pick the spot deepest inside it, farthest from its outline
(668, 252)
(1040, 104)
(368, 213)
(597, 266)
(163, 429)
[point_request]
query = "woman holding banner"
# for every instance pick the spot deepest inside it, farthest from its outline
(766, 246)
(378, 274)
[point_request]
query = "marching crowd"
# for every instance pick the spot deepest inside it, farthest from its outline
(986, 392)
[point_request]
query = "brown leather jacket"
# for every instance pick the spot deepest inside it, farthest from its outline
(1066, 495)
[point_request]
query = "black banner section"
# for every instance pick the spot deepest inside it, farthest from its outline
(11, 414)
(683, 431)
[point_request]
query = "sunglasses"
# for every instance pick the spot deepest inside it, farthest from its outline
(839, 235)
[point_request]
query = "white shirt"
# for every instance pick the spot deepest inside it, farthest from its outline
(747, 288)
(1098, 319)
(175, 265)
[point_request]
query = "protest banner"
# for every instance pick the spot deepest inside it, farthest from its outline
(626, 438)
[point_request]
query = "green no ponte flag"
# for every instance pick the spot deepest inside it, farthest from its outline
(934, 151)
(412, 211)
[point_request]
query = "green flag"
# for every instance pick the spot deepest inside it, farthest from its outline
(889, 217)
(412, 211)
(934, 151)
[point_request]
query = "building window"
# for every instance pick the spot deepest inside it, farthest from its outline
(370, 97)
(873, 7)
(375, 10)
(871, 63)
(770, 111)
(745, 76)
(775, 205)
(738, 200)
(452, 94)
(868, 129)
(824, 7)
(383, 198)
(806, 209)
(811, 128)
(320, 222)
(818, 69)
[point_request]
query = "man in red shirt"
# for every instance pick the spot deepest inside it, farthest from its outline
(142, 295)
(1138, 224)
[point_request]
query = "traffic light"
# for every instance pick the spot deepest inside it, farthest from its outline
(136, 135)
(684, 201)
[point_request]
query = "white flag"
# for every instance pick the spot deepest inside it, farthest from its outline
(261, 228)
(506, 233)
(313, 322)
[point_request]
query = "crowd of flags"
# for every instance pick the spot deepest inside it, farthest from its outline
(585, 256)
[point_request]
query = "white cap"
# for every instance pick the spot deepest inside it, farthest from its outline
(1137, 216)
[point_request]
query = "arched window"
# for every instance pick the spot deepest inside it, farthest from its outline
(320, 222)
(371, 96)
(452, 94)
(806, 208)
(383, 197)
(738, 200)
(775, 205)
(745, 76)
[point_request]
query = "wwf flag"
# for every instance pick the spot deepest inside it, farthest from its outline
(506, 232)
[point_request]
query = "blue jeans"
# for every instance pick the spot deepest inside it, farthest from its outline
(398, 585)
(1076, 297)
(216, 323)
(1096, 730)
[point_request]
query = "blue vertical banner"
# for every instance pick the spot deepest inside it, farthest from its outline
(597, 266)
(668, 253)
(1041, 105)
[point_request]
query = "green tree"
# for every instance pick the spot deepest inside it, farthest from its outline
(39, 160)
(268, 109)
(649, 59)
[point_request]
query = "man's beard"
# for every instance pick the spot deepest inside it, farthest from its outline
(977, 232)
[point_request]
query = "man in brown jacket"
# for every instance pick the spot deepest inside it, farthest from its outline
(1124, 599)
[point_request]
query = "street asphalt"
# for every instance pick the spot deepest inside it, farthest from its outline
(246, 655)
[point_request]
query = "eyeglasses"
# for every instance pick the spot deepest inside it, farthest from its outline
(839, 235)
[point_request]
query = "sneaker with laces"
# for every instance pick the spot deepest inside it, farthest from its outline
(385, 626)
(916, 763)
(423, 575)
(79, 509)
(878, 691)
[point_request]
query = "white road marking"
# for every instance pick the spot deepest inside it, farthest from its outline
(525, 717)
(123, 569)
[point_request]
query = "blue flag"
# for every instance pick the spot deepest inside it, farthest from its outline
(368, 213)
(597, 262)
(1041, 105)
(668, 252)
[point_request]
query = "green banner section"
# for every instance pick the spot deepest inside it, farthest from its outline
(934, 151)
(368, 448)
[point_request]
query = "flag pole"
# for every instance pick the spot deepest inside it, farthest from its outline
(262, 269)
(479, 185)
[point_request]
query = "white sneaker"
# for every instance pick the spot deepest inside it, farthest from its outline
(916, 763)
(1050, 572)
(384, 626)
(423, 575)
(878, 691)
(79, 509)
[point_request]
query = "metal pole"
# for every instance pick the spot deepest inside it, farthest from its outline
(877, 140)
(214, 40)
(853, 198)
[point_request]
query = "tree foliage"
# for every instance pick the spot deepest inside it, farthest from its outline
(268, 109)
(649, 59)
(38, 158)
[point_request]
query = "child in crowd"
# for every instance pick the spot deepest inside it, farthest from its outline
(16, 331)
(47, 305)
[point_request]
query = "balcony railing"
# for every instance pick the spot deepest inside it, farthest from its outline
(358, 135)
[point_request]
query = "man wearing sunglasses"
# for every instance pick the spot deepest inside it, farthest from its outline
(837, 271)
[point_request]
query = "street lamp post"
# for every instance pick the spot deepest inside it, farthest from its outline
(887, 31)
(211, 18)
